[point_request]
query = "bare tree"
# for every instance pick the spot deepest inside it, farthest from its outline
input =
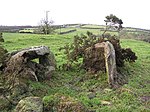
(46, 26)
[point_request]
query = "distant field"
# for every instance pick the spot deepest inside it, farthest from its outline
(98, 29)
(132, 97)
(83, 30)
(93, 26)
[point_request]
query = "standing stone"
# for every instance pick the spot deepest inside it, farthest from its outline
(110, 61)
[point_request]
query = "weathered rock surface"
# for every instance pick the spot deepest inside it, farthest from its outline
(30, 104)
(110, 61)
(101, 57)
(20, 67)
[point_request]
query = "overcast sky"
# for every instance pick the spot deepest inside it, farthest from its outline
(134, 13)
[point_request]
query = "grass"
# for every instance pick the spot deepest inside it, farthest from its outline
(80, 30)
(91, 90)
(93, 26)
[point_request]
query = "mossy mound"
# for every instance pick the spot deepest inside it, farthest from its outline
(62, 103)
(30, 104)
(1, 37)
(2, 53)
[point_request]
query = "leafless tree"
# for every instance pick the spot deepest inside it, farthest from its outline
(46, 26)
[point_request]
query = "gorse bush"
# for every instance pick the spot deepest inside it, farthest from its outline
(75, 51)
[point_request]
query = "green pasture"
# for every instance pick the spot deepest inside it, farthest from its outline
(82, 31)
(131, 97)
(93, 26)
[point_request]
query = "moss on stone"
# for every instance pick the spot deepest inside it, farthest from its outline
(62, 103)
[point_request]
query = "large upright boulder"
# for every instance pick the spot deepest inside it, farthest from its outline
(110, 61)
(101, 57)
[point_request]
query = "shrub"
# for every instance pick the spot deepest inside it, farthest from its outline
(77, 50)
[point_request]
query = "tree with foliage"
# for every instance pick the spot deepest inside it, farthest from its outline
(113, 21)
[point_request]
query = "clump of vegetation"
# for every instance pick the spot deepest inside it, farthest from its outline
(62, 103)
(46, 27)
(112, 22)
(2, 50)
(139, 35)
(1, 37)
(142, 36)
(77, 50)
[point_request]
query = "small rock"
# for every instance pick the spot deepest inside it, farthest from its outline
(103, 102)
(91, 95)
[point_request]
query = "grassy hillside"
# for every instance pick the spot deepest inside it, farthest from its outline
(92, 90)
